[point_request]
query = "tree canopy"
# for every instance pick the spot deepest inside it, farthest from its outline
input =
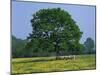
(54, 30)
(89, 45)
(18, 47)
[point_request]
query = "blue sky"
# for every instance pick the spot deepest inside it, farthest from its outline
(22, 14)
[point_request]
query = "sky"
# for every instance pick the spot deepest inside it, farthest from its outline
(22, 14)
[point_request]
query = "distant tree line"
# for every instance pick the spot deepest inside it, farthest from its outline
(18, 49)
(89, 46)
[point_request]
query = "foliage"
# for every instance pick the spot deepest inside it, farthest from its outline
(17, 47)
(54, 30)
(89, 45)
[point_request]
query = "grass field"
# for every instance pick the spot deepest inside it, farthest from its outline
(49, 64)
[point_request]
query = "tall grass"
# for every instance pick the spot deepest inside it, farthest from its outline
(49, 64)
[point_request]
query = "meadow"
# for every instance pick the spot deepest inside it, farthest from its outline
(50, 64)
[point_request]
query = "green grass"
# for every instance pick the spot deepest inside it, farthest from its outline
(49, 64)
